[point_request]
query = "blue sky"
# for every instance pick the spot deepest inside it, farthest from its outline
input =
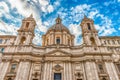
(105, 14)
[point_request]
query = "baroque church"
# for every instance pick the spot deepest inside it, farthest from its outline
(97, 58)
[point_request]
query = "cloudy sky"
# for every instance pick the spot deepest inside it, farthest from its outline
(105, 14)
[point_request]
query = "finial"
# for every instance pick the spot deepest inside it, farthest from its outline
(58, 20)
(85, 16)
(58, 16)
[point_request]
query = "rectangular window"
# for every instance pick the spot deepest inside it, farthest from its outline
(35, 79)
(118, 41)
(103, 78)
(101, 68)
(58, 40)
(104, 42)
(118, 67)
(1, 41)
(113, 41)
(13, 68)
(57, 76)
(6, 40)
(1, 50)
(79, 79)
(108, 41)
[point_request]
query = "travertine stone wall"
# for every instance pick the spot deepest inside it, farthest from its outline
(3, 69)
(111, 71)
(91, 71)
(23, 71)
(67, 71)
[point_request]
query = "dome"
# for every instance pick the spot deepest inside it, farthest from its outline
(58, 34)
(58, 26)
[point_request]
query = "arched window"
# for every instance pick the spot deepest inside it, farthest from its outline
(27, 25)
(22, 40)
(10, 78)
(92, 41)
(88, 24)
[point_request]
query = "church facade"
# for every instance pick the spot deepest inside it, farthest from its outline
(97, 58)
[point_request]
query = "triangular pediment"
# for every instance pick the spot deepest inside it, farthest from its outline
(57, 53)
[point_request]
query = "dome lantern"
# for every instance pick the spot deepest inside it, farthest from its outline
(58, 20)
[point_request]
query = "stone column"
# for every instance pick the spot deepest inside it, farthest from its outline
(111, 71)
(28, 39)
(91, 71)
(50, 71)
(31, 70)
(52, 39)
(63, 38)
(65, 77)
(45, 71)
(17, 41)
(23, 71)
(1, 65)
(70, 71)
(3, 69)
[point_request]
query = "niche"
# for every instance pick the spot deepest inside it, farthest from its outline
(22, 40)
(92, 41)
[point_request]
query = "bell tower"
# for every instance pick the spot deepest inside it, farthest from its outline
(89, 33)
(26, 32)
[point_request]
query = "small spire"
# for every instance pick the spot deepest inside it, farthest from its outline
(58, 20)
(31, 16)
(58, 16)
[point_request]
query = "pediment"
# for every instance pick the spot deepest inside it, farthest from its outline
(57, 53)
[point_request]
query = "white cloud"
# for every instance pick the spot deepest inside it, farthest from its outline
(41, 27)
(43, 2)
(110, 2)
(50, 8)
(7, 29)
(24, 8)
(119, 28)
(93, 13)
(4, 9)
(108, 31)
(37, 39)
(75, 30)
(4, 6)
(57, 3)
